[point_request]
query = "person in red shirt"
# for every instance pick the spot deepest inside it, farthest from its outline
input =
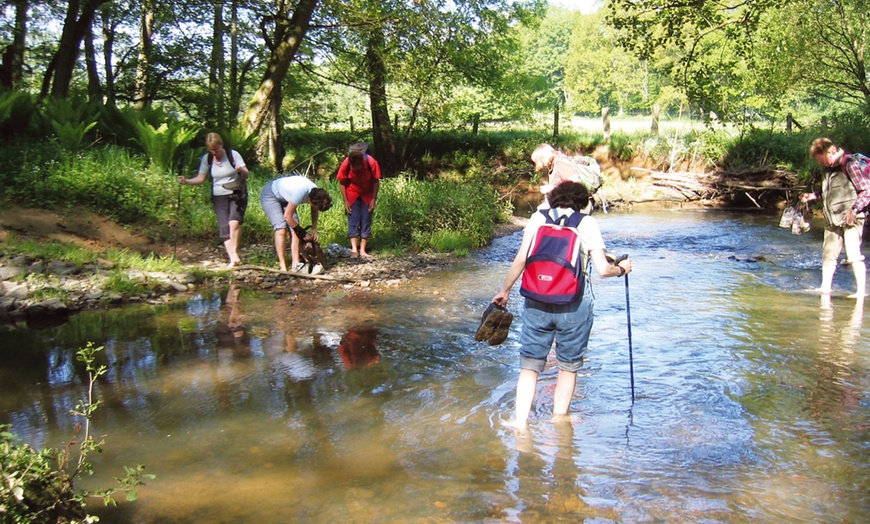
(359, 179)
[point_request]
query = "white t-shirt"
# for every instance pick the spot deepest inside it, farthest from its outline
(222, 172)
(590, 234)
(293, 188)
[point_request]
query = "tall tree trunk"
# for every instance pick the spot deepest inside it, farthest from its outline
(11, 71)
(95, 90)
(235, 94)
(107, 18)
(288, 37)
(382, 129)
(276, 145)
(215, 115)
(143, 65)
(79, 18)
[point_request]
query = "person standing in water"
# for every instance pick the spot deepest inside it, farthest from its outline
(568, 325)
(845, 198)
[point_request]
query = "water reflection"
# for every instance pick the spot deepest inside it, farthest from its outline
(358, 347)
(233, 334)
(380, 406)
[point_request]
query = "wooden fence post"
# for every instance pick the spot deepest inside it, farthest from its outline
(605, 118)
(654, 128)
(556, 120)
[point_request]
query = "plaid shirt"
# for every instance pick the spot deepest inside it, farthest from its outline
(854, 169)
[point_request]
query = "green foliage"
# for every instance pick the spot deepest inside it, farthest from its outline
(455, 242)
(163, 143)
(48, 251)
(120, 282)
(70, 120)
(33, 488)
(17, 111)
(240, 140)
(416, 213)
(106, 179)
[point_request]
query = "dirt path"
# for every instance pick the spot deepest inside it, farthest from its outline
(73, 226)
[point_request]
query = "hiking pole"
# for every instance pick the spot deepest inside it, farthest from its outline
(177, 205)
(628, 316)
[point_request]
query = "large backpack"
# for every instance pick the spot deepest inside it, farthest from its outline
(585, 171)
(554, 267)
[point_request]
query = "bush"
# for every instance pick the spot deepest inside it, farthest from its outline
(37, 486)
(30, 488)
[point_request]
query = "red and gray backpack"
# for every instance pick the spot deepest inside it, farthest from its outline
(554, 268)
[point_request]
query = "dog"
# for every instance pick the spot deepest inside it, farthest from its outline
(311, 253)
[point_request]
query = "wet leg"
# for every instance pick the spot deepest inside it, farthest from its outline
(564, 392)
(527, 383)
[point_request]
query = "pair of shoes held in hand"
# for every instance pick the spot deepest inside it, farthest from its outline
(494, 324)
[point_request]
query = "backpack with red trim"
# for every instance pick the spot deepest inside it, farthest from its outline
(554, 268)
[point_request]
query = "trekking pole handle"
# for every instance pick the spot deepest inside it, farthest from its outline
(620, 259)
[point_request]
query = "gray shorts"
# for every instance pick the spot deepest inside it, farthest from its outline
(274, 208)
(229, 208)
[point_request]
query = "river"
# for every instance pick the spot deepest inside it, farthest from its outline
(750, 394)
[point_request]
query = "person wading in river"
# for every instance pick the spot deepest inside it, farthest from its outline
(569, 325)
(845, 197)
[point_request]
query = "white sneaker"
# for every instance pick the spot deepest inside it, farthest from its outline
(316, 269)
(299, 268)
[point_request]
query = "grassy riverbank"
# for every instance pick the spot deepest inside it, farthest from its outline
(449, 199)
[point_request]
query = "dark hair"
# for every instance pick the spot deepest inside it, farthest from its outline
(356, 158)
(320, 199)
(572, 195)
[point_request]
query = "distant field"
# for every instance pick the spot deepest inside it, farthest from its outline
(631, 124)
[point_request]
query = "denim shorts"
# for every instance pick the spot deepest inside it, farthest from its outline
(568, 325)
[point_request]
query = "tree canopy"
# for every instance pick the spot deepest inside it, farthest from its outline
(391, 68)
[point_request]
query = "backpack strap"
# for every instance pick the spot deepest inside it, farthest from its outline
(553, 217)
(229, 157)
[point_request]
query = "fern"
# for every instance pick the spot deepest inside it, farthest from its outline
(71, 121)
(162, 144)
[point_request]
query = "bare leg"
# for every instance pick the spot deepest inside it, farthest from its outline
(564, 392)
(527, 383)
(281, 248)
(294, 248)
(860, 270)
(232, 244)
(828, 270)
(354, 247)
(362, 248)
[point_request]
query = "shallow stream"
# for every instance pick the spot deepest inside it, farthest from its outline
(750, 404)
